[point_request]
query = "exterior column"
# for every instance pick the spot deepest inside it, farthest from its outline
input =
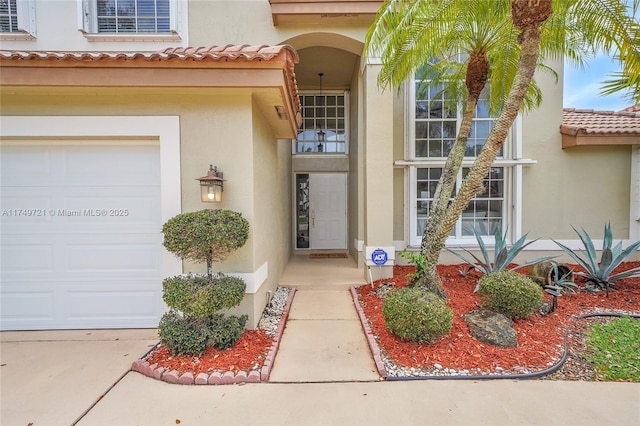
(378, 174)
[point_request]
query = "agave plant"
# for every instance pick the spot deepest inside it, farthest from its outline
(502, 254)
(599, 273)
(560, 281)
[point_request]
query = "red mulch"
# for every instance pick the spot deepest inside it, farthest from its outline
(540, 338)
(247, 354)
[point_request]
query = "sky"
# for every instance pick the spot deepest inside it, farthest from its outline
(582, 87)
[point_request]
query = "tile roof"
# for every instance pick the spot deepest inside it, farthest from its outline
(227, 52)
(588, 121)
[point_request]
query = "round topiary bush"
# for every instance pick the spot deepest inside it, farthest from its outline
(510, 293)
(202, 295)
(208, 235)
(415, 315)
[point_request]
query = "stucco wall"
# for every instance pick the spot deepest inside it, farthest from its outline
(211, 23)
(399, 174)
(356, 168)
(213, 130)
(272, 207)
(57, 28)
(582, 186)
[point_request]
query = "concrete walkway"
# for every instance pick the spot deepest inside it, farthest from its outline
(323, 340)
(139, 400)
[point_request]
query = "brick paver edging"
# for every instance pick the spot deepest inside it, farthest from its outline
(218, 377)
(371, 340)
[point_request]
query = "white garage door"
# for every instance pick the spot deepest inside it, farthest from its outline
(81, 236)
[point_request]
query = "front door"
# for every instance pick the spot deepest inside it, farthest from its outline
(324, 218)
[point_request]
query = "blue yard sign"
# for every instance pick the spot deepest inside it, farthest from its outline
(379, 257)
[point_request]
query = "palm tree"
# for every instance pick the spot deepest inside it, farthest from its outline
(628, 79)
(501, 34)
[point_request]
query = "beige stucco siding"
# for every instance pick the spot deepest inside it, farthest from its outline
(356, 168)
(226, 130)
(586, 187)
(399, 174)
(272, 206)
(210, 24)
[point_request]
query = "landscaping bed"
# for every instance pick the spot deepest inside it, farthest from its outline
(541, 339)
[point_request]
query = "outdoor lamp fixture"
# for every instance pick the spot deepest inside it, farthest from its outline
(211, 186)
(320, 132)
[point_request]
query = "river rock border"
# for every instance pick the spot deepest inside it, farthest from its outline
(218, 377)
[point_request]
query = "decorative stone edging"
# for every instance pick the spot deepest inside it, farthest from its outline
(217, 377)
(371, 340)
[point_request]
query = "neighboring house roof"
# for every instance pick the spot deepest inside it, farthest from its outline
(589, 127)
(268, 70)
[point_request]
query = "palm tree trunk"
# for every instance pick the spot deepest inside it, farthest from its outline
(431, 244)
(472, 184)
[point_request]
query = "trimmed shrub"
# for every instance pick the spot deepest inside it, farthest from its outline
(191, 335)
(201, 295)
(416, 315)
(193, 324)
(182, 335)
(223, 332)
(208, 235)
(510, 293)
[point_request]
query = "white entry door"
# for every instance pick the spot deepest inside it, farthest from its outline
(328, 210)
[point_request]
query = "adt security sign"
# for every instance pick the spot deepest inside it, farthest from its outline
(379, 257)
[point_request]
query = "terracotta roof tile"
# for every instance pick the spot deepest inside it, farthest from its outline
(588, 121)
(216, 53)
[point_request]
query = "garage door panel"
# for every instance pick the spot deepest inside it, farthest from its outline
(72, 265)
(99, 165)
(26, 165)
(112, 257)
(28, 305)
(101, 305)
(22, 257)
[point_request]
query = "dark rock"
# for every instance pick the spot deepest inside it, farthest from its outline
(491, 327)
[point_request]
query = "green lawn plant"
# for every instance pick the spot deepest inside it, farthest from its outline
(613, 349)
(503, 255)
(195, 320)
(599, 273)
(417, 259)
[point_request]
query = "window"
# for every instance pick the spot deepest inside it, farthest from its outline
(433, 125)
(152, 18)
(324, 124)
(133, 16)
(17, 20)
(9, 16)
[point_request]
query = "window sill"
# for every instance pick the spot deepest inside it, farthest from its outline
(21, 36)
(465, 163)
(122, 37)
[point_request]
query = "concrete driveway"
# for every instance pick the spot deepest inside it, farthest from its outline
(54, 377)
(60, 378)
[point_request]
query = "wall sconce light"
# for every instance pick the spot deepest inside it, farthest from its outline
(211, 186)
